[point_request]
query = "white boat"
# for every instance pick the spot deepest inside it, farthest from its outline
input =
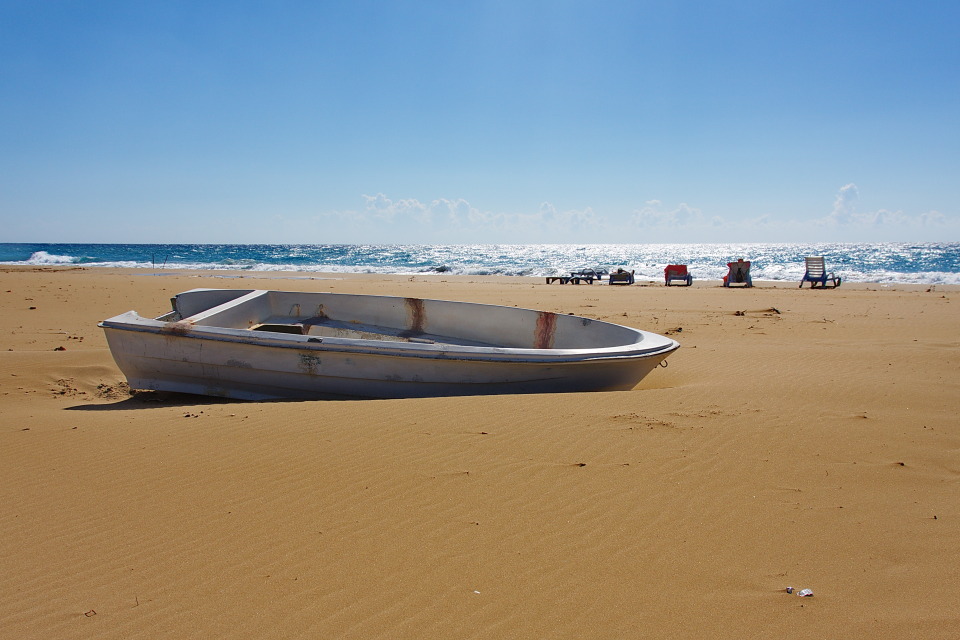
(260, 345)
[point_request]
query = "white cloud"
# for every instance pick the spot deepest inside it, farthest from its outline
(884, 218)
(447, 213)
(453, 220)
(845, 204)
(683, 215)
(572, 219)
(460, 214)
(845, 214)
(460, 221)
(932, 219)
(382, 207)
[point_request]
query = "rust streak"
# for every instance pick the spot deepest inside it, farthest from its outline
(418, 316)
(180, 328)
(546, 328)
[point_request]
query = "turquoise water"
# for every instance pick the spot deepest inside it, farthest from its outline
(930, 263)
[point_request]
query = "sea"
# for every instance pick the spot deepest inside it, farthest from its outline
(884, 263)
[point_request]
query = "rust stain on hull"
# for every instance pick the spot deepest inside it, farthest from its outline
(418, 317)
(180, 328)
(546, 328)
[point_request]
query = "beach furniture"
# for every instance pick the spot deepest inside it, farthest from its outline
(262, 345)
(677, 273)
(573, 278)
(620, 276)
(579, 276)
(817, 273)
(739, 273)
(594, 274)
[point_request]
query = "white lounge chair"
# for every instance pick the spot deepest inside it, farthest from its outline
(817, 273)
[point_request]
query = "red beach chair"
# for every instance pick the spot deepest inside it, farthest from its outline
(677, 272)
(739, 273)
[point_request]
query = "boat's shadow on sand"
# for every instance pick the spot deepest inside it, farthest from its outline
(141, 400)
(153, 400)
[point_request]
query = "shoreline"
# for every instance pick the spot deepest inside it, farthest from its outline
(239, 274)
(797, 438)
(917, 263)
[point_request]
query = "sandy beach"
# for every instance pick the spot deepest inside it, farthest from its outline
(798, 438)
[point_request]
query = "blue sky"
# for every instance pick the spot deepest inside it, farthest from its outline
(464, 122)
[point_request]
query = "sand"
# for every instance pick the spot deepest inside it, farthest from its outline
(798, 438)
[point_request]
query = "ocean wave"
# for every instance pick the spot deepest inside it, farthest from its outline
(42, 257)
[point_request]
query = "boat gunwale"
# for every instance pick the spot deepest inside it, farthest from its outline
(444, 351)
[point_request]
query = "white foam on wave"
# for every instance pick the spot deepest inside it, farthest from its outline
(42, 257)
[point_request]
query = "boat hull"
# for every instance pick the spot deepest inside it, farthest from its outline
(187, 356)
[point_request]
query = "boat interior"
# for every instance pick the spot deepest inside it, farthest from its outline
(390, 318)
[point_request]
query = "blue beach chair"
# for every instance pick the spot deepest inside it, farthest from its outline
(817, 273)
